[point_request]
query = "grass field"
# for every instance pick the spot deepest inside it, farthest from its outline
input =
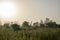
(30, 34)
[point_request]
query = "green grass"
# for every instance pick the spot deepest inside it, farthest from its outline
(30, 34)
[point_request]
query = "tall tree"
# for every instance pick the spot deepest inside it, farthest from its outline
(36, 24)
(6, 25)
(42, 24)
(16, 27)
(25, 24)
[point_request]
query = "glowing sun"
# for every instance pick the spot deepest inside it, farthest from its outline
(7, 9)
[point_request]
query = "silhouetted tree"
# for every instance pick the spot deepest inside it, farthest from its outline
(25, 24)
(6, 25)
(16, 27)
(58, 25)
(36, 24)
(42, 24)
(1, 26)
(47, 20)
(50, 23)
(54, 25)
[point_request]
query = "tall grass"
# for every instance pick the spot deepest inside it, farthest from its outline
(32, 34)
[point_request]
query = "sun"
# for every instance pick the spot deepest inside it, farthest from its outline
(7, 10)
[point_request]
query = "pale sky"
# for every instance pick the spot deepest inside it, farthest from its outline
(35, 10)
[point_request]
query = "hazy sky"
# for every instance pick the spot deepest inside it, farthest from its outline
(35, 10)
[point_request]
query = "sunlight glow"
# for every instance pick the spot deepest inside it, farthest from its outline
(7, 10)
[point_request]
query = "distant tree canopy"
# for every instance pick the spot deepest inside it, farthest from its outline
(6, 25)
(44, 24)
(49, 23)
(16, 27)
(36, 24)
(25, 24)
(59, 25)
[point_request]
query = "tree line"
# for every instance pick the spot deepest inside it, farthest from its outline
(43, 24)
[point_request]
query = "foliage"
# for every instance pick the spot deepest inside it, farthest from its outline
(16, 27)
(47, 30)
(25, 24)
(36, 24)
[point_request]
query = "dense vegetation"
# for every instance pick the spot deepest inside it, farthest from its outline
(47, 30)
